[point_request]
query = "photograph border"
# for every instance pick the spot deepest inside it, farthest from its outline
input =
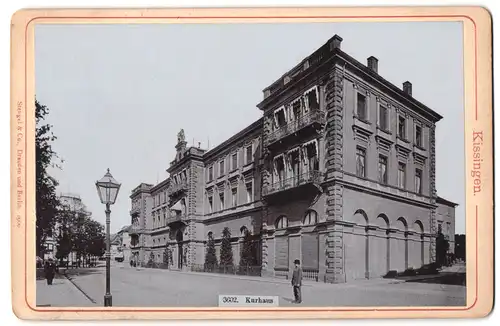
(477, 42)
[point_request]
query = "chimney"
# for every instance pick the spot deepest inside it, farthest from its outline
(407, 87)
(373, 64)
(335, 42)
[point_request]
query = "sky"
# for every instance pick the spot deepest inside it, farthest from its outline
(119, 94)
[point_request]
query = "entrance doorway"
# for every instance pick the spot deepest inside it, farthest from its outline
(180, 256)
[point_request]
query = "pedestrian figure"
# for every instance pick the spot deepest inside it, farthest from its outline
(297, 281)
(50, 271)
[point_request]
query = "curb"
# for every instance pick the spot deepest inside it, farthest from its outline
(80, 289)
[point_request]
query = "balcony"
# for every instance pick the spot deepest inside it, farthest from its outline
(311, 119)
(135, 229)
(308, 178)
(175, 189)
(176, 219)
(135, 210)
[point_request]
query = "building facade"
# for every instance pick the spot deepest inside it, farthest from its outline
(339, 172)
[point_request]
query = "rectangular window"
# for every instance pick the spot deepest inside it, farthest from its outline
(221, 201)
(402, 175)
(234, 197)
(418, 135)
(234, 161)
(279, 118)
(249, 188)
(221, 168)
(418, 181)
(382, 169)
(210, 204)
(361, 109)
(383, 117)
(402, 127)
(249, 154)
(360, 162)
(210, 173)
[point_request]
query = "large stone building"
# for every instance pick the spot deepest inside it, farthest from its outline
(339, 172)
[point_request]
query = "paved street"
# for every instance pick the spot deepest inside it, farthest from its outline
(133, 287)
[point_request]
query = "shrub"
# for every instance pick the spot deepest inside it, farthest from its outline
(391, 274)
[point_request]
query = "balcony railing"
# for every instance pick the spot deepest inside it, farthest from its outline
(311, 177)
(175, 188)
(175, 218)
(296, 125)
(135, 229)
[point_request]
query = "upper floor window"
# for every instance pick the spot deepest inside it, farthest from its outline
(296, 108)
(210, 173)
(282, 222)
(418, 136)
(383, 120)
(311, 218)
(382, 169)
(279, 166)
(361, 107)
(221, 168)
(248, 154)
(279, 117)
(234, 161)
(360, 162)
(402, 127)
(311, 100)
(234, 197)
(210, 204)
(221, 201)
(418, 181)
(402, 175)
(249, 188)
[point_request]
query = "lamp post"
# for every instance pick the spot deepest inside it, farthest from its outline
(108, 188)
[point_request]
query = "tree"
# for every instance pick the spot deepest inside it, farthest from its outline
(95, 242)
(210, 254)
(167, 256)
(47, 202)
(442, 247)
(64, 244)
(460, 246)
(226, 251)
(248, 257)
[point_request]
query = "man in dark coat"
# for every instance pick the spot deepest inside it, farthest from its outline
(297, 281)
(50, 271)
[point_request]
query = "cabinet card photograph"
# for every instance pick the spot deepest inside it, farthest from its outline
(252, 163)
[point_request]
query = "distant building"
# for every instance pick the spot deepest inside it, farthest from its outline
(446, 220)
(120, 245)
(74, 203)
(339, 172)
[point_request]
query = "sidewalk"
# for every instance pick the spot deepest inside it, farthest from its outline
(274, 280)
(59, 294)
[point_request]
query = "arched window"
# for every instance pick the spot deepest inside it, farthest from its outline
(210, 235)
(282, 222)
(243, 231)
(311, 218)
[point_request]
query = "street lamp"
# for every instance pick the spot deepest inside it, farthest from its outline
(108, 188)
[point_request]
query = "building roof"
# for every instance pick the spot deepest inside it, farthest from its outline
(241, 134)
(328, 53)
(441, 200)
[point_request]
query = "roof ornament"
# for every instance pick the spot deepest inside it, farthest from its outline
(181, 137)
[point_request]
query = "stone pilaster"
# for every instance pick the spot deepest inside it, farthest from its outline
(334, 166)
(432, 191)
